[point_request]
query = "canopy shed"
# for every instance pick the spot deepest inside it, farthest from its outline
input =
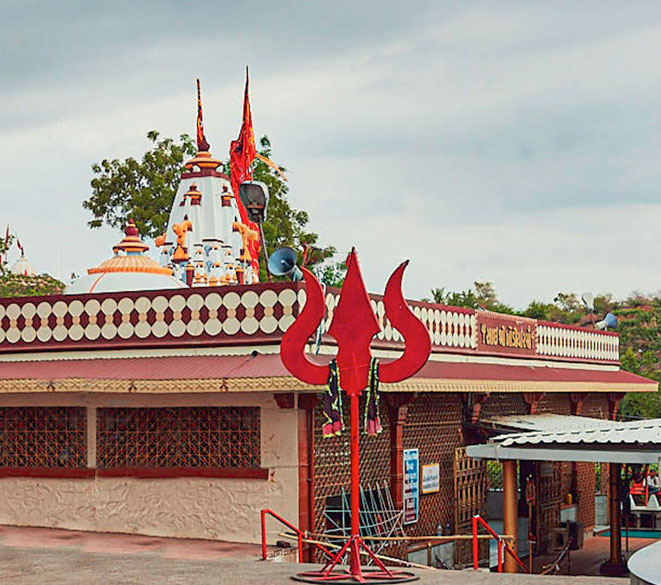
(616, 443)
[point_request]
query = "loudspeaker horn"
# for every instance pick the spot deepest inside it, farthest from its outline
(283, 263)
(608, 322)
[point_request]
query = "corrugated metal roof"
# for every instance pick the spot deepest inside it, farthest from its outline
(547, 422)
(644, 432)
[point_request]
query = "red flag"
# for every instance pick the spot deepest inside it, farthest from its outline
(202, 144)
(18, 243)
(242, 154)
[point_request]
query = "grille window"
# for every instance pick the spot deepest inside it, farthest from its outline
(43, 437)
(205, 437)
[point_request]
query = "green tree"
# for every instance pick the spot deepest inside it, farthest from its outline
(481, 296)
(19, 285)
(5, 246)
(286, 226)
(332, 273)
(143, 190)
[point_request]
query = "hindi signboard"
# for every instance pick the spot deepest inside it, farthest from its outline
(411, 485)
(506, 334)
(431, 478)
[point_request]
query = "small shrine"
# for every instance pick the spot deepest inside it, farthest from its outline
(23, 267)
(129, 269)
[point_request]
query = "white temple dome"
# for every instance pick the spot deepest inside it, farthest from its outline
(23, 267)
(128, 270)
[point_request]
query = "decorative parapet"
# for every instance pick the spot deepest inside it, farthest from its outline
(561, 341)
(221, 315)
(260, 314)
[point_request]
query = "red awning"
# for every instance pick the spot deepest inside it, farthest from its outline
(150, 368)
(436, 376)
(476, 371)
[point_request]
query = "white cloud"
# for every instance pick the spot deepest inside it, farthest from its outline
(513, 142)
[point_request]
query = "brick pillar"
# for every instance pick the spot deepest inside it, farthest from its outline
(398, 407)
(306, 404)
(580, 473)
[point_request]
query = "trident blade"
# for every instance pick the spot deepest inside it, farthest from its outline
(292, 347)
(353, 326)
(416, 336)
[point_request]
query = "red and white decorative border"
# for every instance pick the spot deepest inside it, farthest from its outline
(236, 315)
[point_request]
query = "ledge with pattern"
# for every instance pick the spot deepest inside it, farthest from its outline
(258, 315)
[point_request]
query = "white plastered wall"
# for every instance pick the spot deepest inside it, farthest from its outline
(188, 507)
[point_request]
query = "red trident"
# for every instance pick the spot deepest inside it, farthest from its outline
(353, 326)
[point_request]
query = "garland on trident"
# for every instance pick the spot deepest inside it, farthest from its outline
(333, 403)
(332, 410)
(372, 423)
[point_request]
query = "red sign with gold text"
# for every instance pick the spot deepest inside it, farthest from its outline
(506, 334)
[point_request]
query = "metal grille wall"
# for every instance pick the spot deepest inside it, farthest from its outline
(470, 492)
(433, 425)
(555, 403)
(595, 405)
(332, 461)
(53, 437)
(226, 437)
(504, 404)
(548, 486)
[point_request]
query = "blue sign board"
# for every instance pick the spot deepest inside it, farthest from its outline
(411, 485)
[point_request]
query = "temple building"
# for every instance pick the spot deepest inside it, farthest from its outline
(150, 400)
(209, 240)
(206, 243)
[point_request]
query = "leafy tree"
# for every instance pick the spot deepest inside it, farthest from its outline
(144, 190)
(439, 295)
(286, 226)
(19, 285)
(483, 297)
(332, 273)
(5, 246)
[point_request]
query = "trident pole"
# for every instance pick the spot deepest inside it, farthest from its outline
(355, 488)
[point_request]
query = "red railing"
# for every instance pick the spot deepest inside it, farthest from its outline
(299, 535)
(638, 489)
(500, 540)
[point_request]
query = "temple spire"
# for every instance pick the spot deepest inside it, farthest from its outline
(202, 144)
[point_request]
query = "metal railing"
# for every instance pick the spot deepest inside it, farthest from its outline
(299, 535)
(501, 543)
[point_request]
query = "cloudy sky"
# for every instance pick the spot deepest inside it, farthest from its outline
(513, 142)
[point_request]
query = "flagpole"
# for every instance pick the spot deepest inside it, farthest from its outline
(266, 252)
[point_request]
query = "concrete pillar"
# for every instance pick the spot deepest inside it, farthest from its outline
(510, 511)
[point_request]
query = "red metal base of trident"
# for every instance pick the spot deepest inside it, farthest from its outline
(353, 326)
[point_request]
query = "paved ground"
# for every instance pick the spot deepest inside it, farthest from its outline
(596, 550)
(38, 556)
